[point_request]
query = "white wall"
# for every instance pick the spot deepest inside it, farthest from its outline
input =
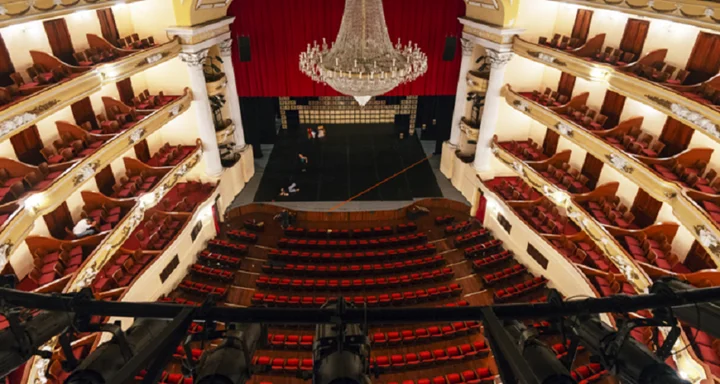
(151, 17)
(20, 39)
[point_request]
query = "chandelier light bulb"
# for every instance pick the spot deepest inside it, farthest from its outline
(361, 50)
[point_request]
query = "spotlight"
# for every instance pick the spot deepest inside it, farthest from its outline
(340, 352)
(630, 360)
(541, 360)
(230, 362)
(21, 341)
(112, 357)
(705, 316)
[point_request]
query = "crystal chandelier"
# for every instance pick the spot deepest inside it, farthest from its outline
(363, 62)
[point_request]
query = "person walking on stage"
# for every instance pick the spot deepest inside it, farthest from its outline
(303, 162)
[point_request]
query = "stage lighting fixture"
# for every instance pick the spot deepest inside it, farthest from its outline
(541, 360)
(704, 316)
(110, 358)
(230, 362)
(18, 344)
(627, 358)
(340, 352)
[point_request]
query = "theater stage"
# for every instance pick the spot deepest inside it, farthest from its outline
(348, 161)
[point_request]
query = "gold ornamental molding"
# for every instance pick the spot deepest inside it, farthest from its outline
(117, 237)
(703, 14)
(700, 117)
(610, 247)
(19, 224)
(217, 87)
(226, 133)
(21, 11)
(42, 104)
(209, 31)
(477, 82)
(685, 209)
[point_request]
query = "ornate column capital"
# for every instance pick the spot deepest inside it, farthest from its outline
(194, 59)
(226, 47)
(498, 59)
(467, 46)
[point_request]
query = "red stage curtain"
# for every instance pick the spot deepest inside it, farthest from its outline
(280, 30)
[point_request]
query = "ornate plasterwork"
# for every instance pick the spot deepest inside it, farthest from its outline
(522, 105)
(194, 59)
(565, 129)
(4, 254)
(136, 136)
(85, 173)
(489, 4)
(27, 117)
(707, 239)
(544, 57)
(619, 162)
(226, 47)
(467, 46)
(498, 59)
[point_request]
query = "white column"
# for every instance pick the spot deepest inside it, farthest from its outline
(488, 123)
(203, 111)
(231, 92)
(461, 95)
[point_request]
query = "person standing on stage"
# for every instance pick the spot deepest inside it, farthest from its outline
(303, 162)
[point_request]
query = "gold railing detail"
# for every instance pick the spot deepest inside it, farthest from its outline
(700, 117)
(476, 81)
(22, 11)
(703, 14)
(46, 102)
(113, 241)
(216, 87)
(19, 224)
(226, 133)
(686, 210)
(606, 242)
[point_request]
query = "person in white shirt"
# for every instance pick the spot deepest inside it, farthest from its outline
(293, 188)
(85, 227)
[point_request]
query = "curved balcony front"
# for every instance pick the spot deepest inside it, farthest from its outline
(19, 224)
(701, 117)
(115, 239)
(700, 13)
(42, 104)
(685, 208)
(477, 81)
(20, 11)
(606, 242)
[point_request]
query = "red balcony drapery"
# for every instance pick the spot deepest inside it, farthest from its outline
(280, 30)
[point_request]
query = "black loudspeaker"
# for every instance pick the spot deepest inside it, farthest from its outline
(450, 47)
(244, 48)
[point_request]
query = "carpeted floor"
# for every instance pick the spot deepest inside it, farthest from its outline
(348, 161)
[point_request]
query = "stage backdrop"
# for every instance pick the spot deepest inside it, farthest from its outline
(280, 30)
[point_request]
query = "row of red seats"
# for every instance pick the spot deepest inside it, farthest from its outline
(342, 270)
(512, 293)
(178, 300)
(444, 220)
(397, 298)
(167, 378)
(120, 271)
(338, 233)
(492, 261)
(214, 273)
(202, 289)
(243, 236)
(195, 353)
(227, 247)
(477, 376)
(588, 373)
(472, 237)
(315, 257)
(426, 358)
(428, 334)
(217, 258)
(561, 350)
(707, 348)
(275, 283)
(608, 288)
(483, 249)
(384, 242)
(504, 275)
(279, 365)
(459, 227)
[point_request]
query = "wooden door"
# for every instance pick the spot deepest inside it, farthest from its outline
(704, 61)
(83, 112)
(592, 167)
(580, 30)
(676, 137)
(142, 151)
(550, 143)
(107, 25)
(612, 107)
(634, 36)
(6, 65)
(59, 38)
(105, 181)
(27, 145)
(125, 89)
(58, 220)
(566, 84)
(645, 208)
